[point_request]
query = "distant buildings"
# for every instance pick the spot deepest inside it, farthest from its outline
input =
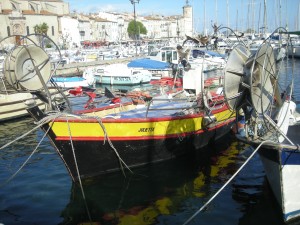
(68, 30)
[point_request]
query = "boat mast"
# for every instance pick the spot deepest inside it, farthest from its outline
(280, 13)
(253, 15)
(216, 4)
(237, 19)
(298, 21)
(204, 27)
(265, 17)
(227, 16)
(258, 23)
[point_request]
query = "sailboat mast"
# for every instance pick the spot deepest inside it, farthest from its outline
(216, 4)
(237, 19)
(227, 16)
(280, 13)
(298, 18)
(265, 17)
(253, 16)
(204, 27)
(258, 30)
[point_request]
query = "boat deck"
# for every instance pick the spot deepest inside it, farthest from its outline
(160, 110)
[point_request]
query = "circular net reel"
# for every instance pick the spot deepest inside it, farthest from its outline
(251, 84)
(27, 66)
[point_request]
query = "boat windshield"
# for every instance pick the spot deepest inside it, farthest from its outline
(154, 53)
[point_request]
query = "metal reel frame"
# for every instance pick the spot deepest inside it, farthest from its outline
(257, 92)
(268, 100)
(30, 66)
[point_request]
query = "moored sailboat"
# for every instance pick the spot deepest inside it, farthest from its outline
(269, 120)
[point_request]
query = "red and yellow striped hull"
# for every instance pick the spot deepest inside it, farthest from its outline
(138, 141)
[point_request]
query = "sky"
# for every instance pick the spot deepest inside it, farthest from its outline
(236, 14)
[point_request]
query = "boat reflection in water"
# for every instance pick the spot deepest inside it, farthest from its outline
(151, 193)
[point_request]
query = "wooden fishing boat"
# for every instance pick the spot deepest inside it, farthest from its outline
(122, 135)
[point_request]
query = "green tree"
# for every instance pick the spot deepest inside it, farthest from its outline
(41, 28)
(135, 32)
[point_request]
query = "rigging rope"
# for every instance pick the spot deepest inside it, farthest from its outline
(52, 115)
(78, 173)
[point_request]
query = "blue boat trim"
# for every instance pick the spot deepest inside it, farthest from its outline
(290, 157)
(67, 79)
(290, 215)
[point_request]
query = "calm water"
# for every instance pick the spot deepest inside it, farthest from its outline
(167, 193)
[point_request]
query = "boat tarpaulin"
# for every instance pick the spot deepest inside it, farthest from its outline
(149, 64)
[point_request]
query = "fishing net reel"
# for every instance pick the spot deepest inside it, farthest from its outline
(27, 66)
(251, 86)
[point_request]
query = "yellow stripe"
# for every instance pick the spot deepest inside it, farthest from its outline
(139, 129)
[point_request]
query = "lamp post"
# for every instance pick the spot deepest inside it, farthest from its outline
(133, 2)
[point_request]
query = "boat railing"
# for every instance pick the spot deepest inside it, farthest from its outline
(151, 103)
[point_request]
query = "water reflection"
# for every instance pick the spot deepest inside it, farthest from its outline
(151, 192)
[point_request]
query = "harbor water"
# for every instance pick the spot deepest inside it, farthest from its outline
(35, 187)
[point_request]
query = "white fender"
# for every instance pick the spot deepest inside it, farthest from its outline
(283, 119)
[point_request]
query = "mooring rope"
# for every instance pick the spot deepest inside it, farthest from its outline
(106, 137)
(222, 188)
(78, 173)
(52, 115)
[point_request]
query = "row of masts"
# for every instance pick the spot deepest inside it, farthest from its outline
(256, 16)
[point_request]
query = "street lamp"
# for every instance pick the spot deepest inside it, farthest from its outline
(133, 3)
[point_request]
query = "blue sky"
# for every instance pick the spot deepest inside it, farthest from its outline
(241, 12)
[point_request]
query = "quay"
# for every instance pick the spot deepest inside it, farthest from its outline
(76, 69)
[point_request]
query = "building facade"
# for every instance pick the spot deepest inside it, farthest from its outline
(19, 17)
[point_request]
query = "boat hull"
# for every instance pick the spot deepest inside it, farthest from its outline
(137, 142)
(282, 168)
(14, 105)
(71, 82)
(117, 80)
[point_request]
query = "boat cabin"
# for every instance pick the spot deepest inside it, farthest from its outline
(165, 54)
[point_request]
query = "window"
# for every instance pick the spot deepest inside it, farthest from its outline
(163, 56)
(169, 56)
(27, 29)
(8, 31)
(52, 30)
(175, 55)
(32, 7)
(13, 6)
